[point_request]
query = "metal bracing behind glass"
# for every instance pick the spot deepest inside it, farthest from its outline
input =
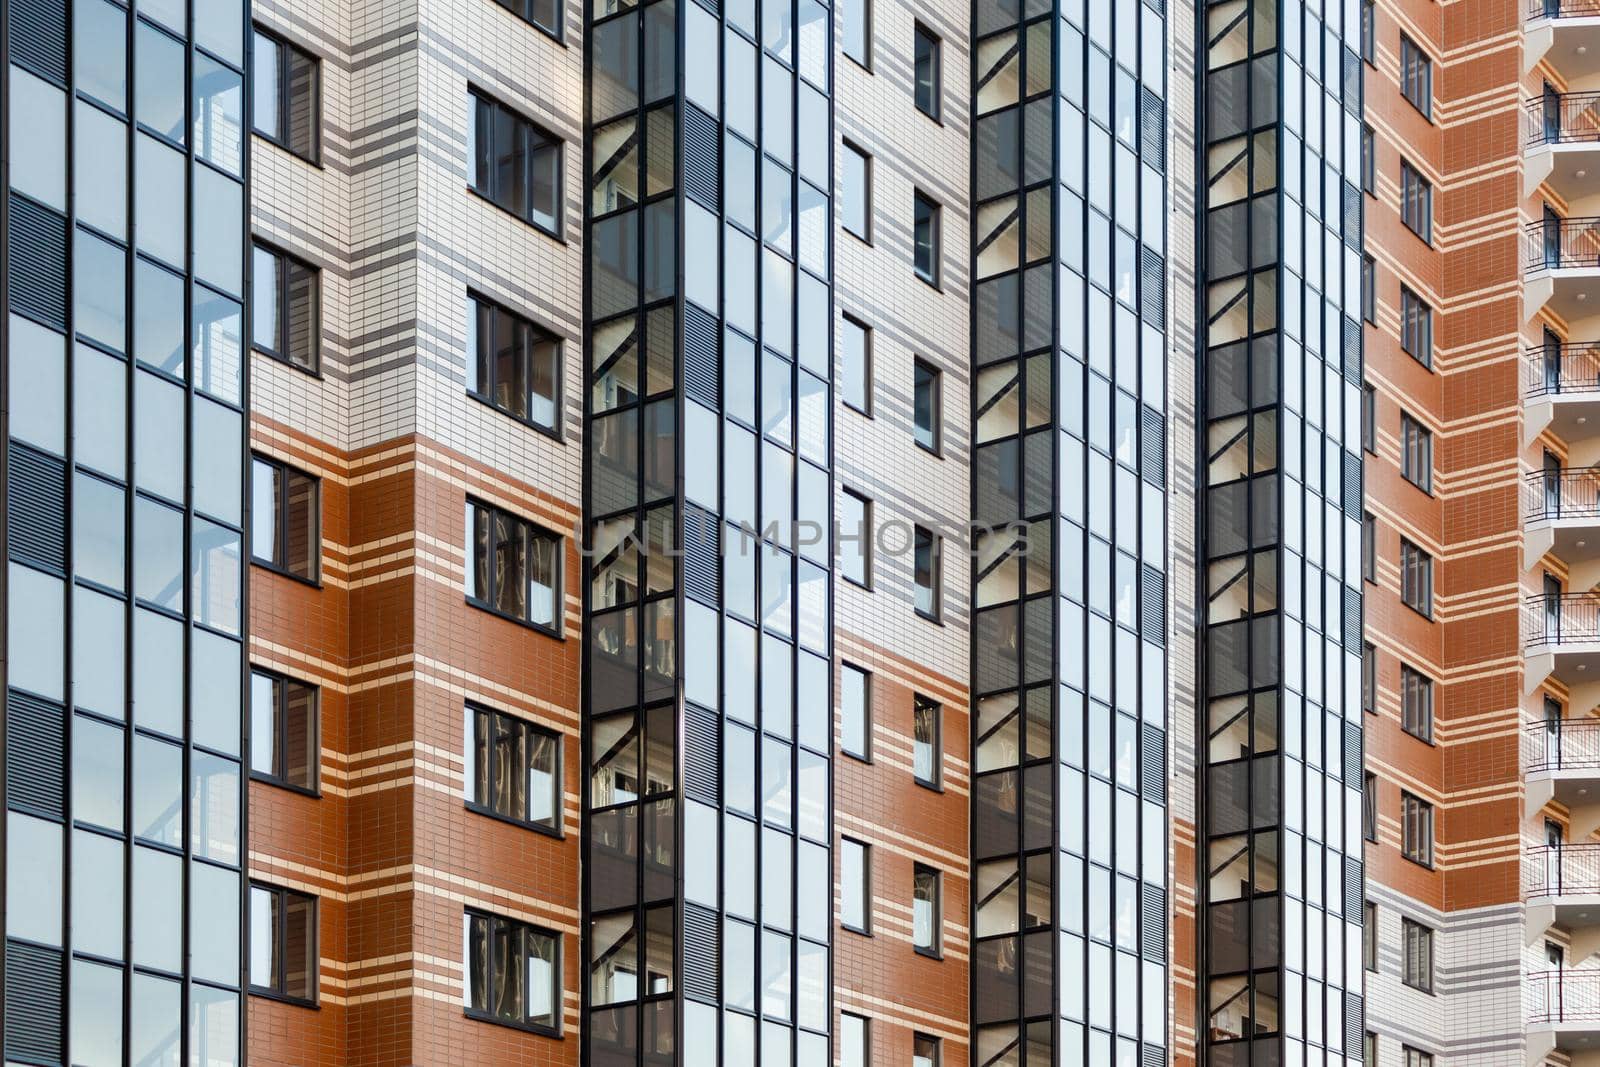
(124, 474)
(708, 712)
(1068, 670)
(1280, 418)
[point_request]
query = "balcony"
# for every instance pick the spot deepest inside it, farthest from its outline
(1562, 1009)
(1561, 510)
(1561, 391)
(1561, 884)
(1561, 639)
(1562, 261)
(1561, 136)
(1565, 31)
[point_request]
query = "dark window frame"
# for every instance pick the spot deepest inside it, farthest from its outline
(1416, 703)
(1369, 677)
(850, 146)
(484, 108)
(926, 211)
(1416, 452)
(934, 377)
(283, 284)
(482, 364)
(865, 929)
(481, 714)
(1369, 417)
(1417, 973)
(278, 776)
(278, 990)
(935, 573)
(523, 10)
(286, 51)
(1369, 160)
(1416, 202)
(281, 531)
(919, 704)
(938, 1046)
(1416, 327)
(1416, 578)
(865, 538)
(936, 949)
(866, 369)
(1369, 547)
(1415, 1057)
(864, 756)
(1369, 34)
(927, 46)
(531, 532)
(558, 981)
(1416, 829)
(1416, 77)
(1369, 815)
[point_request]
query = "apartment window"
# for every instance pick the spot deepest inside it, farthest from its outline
(1416, 202)
(1369, 418)
(855, 365)
(287, 295)
(1416, 578)
(857, 16)
(926, 401)
(288, 96)
(285, 519)
(925, 916)
(515, 164)
(854, 885)
(855, 711)
(1416, 76)
(1369, 933)
(283, 943)
(1369, 1049)
(513, 972)
(925, 238)
(855, 538)
(928, 75)
(1369, 290)
(1369, 161)
(855, 1045)
(1416, 453)
(516, 769)
(515, 365)
(1416, 829)
(285, 738)
(516, 566)
(1369, 35)
(926, 744)
(1369, 809)
(1416, 703)
(1369, 677)
(545, 14)
(1417, 948)
(1369, 547)
(924, 1051)
(1416, 327)
(855, 192)
(1417, 1058)
(928, 578)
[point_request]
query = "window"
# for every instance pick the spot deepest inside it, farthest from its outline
(857, 16)
(285, 738)
(1417, 945)
(1369, 808)
(1416, 202)
(1417, 1058)
(545, 14)
(1416, 578)
(925, 238)
(1416, 76)
(515, 164)
(512, 973)
(855, 538)
(855, 711)
(285, 519)
(926, 746)
(1369, 16)
(1416, 703)
(1369, 934)
(855, 1045)
(288, 299)
(1416, 453)
(924, 1051)
(516, 567)
(854, 885)
(928, 577)
(1369, 1049)
(928, 76)
(283, 943)
(1416, 327)
(516, 365)
(1369, 418)
(1369, 290)
(1369, 547)
(1369, 161)
(516, 769)
(855, 368)
(1416, 829)
(925, 917)
(1369, 677)
(926, 402)
(855, 192)
(288, 96)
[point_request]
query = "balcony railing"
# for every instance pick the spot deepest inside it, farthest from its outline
(1562, 997)
(1563, 9)
(1562, 745)
(1562, 870)
(1570, 368)
(1562, 243)
(1570, 618)
(1561, 118)
(1570, 493)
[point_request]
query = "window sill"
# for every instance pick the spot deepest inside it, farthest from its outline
(538, 628)
(276, 357)
(930, 786)
(313, 792)
(859, 931)
(531, 1028)
(548, 431)
(934, 282)
(554, 235)
(314, 161)
(314, 583)
(936, 450)
(859, 757)
(937, 620)
(554, 832)
(928, 953)
(284, 998)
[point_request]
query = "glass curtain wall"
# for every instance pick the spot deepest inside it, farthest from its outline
(1069, 665)
(124, 532)
(1281, 247)
(708, 708)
